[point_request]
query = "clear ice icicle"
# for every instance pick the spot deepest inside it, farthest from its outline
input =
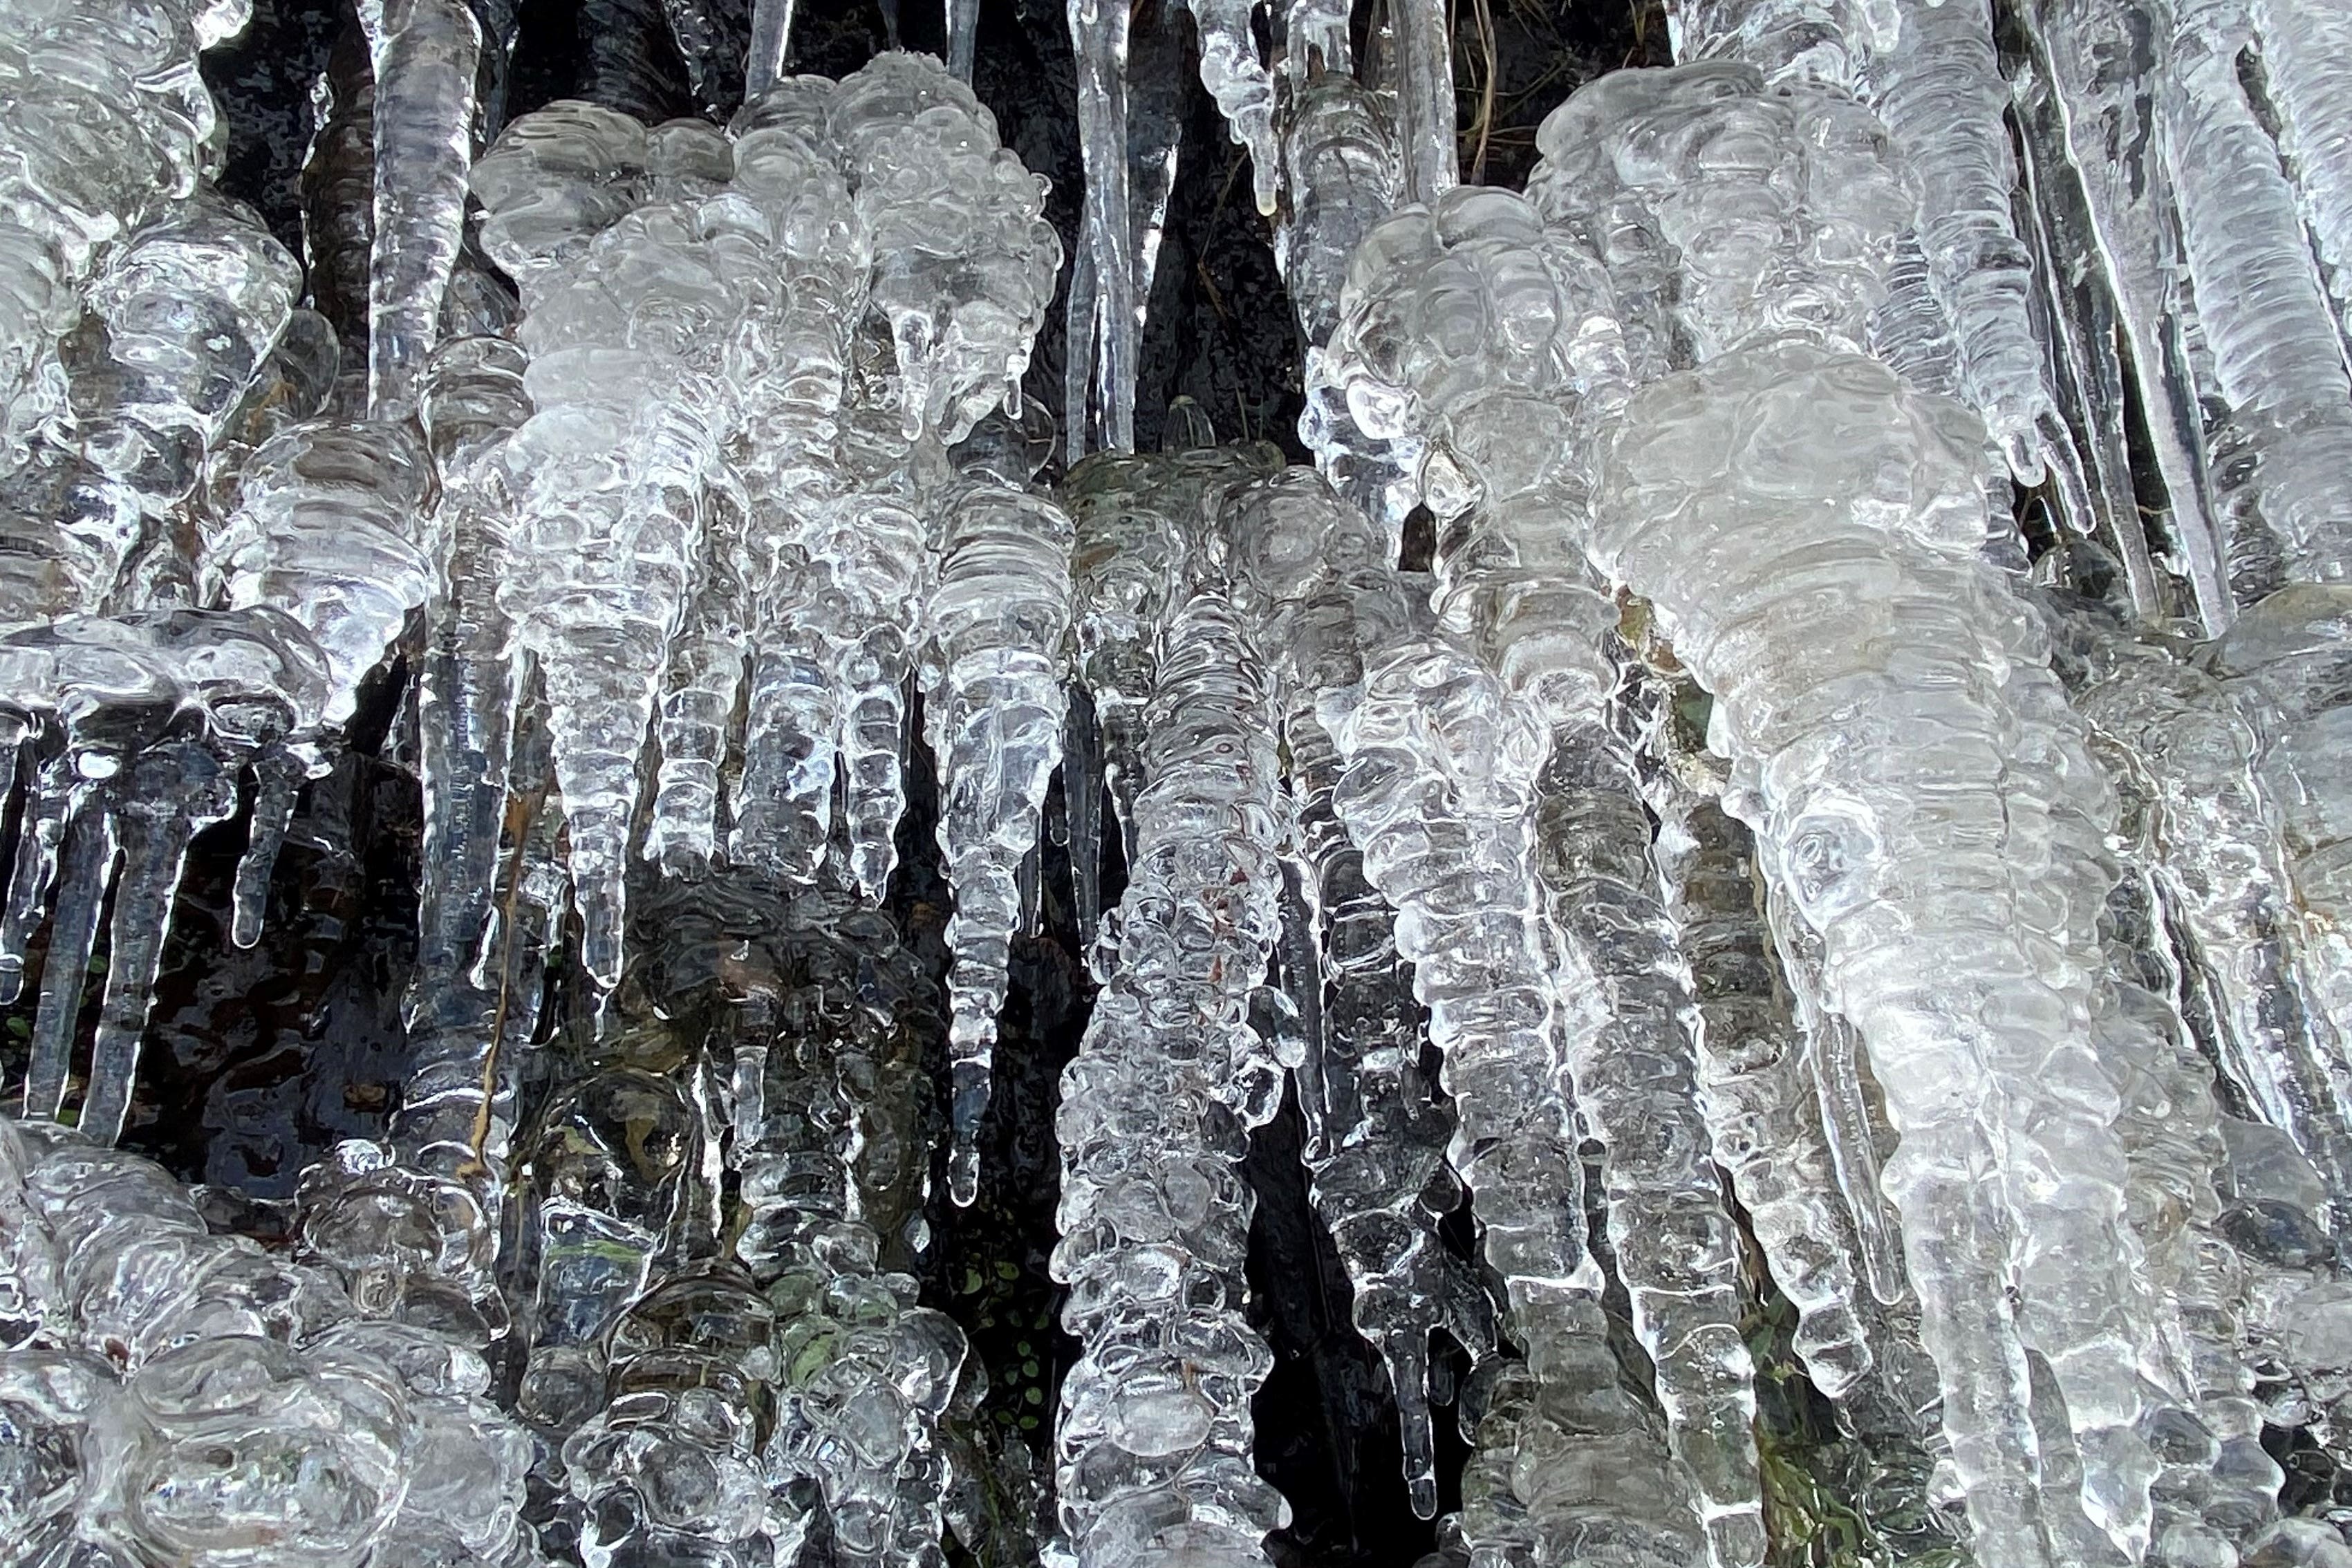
(106, 120)
(425, 57)
(1710, 475)
(1110, 334)
(1757, 1086)
(992, 678)
(1340, 161)
(1153, 1441)
(1235, 75)
(2277, 353)
(2305, 51)
(1939, 90)
(1376, 1137)
(1509, 421)
(1425, 96)
(964, 261)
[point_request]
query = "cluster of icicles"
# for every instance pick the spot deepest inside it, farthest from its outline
(1729, 818)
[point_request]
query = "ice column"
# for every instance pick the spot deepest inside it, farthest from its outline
(993, 675)
(1153, 1443)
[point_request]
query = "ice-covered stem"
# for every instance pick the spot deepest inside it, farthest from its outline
(825, 999)
(964, 261)
(1153, 1442)
(1145, 525)
(2278, 350)
(992, 674)
(107, 120)
(413, 1226)
(1376, 1136)
(1441, 769)
(338, 184)
(1937, 85)
(167, 1357)
(1424, 92)
(1756, 1086)
(1235, 75)
(1788, 40)
(425, 57)
(2100, 131)
(671, 1466)
(1732, 489)
(2283, 662)
(603, 1178)
(1780, 207)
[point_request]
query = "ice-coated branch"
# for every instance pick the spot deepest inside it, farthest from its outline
(1153, 1443)
(1507, 419)
(1144, 527)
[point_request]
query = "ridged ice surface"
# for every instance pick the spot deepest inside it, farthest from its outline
(192, 1398)
(1508, 420)
(105, 120)
(1153, 1444)
(1782, 203)
(994, 672)
(1731, 475)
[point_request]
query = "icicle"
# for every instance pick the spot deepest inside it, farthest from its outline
(48, 805)
(424, 56)
(89, 853)
(2101, 63)
(1340, 163)
(170, 792)
(1441, 765)
(964, 261)
(711, 35)
(1510, 420)
(1425, 96)
(106, 120)
(1828, 800)
(1756, 1084)
(2304, 55)
(1315, 41)
(1235, 75)
(1938, 87)
(612, 472)
(1154, 1435)
(772, 45)
(277, 776)
(964, 31)
(992, 680)
(2076, 314)
(1375, 1138)
(1098, 33)
(627, 62)
(2276, 350)
(339, 196)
